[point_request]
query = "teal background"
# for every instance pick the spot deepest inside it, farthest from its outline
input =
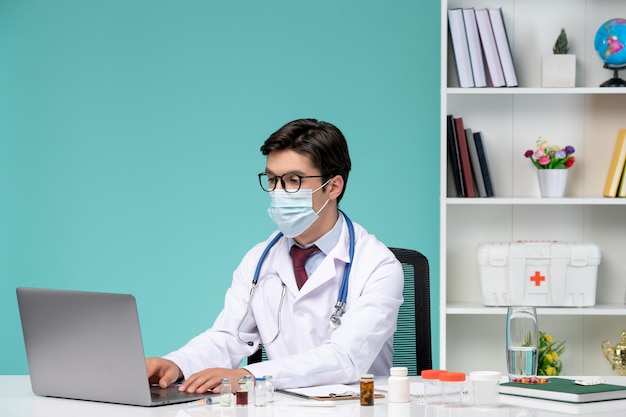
(130, 134)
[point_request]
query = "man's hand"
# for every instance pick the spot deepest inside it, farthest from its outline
(162, 372)
(211, 378)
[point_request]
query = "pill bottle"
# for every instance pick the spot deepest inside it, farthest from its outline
(260, 393)
(242, 392)
(432, 386)
(452, 384)
(225, 392)
(485, 388)
(398, 385)
(367, 390)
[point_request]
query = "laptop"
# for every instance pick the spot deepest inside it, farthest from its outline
(87, 346)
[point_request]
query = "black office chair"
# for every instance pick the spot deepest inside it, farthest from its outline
(412, 341)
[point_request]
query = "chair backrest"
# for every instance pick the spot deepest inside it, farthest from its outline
(412, 340)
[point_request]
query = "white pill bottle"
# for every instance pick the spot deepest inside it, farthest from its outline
(398, 385)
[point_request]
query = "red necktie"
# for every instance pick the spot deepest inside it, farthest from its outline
(299, 257)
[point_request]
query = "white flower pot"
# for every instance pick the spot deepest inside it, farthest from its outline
(552, 182)
(558, 70)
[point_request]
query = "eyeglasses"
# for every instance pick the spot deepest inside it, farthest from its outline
(291, 182)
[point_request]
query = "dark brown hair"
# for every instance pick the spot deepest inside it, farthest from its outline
(322, 142)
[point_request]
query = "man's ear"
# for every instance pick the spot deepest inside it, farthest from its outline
(335, 187)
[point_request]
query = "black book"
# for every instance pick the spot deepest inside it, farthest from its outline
(484, 166)
(455, 159)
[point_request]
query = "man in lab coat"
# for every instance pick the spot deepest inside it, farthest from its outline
(305, 176)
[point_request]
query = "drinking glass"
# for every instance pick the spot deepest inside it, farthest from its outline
(521, 342)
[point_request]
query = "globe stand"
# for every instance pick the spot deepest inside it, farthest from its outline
(616, 81)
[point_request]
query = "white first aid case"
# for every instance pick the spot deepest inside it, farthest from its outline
(538, 273)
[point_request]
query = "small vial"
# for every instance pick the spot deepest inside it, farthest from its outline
(270, 389)
(225, 393)
(398, 386)
(260, 393)
(250, 384)
(432, 386)
(367, 390)
(242, 392)
(452, 387)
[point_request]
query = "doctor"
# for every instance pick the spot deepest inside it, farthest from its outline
(289, 309)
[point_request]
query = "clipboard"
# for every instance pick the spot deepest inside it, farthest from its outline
(327, 393)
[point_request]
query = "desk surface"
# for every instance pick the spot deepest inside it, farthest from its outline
(18, 400)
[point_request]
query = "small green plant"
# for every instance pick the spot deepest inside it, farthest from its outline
(550, 351)
(561, 46)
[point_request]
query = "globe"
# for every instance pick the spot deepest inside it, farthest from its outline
(610, 44)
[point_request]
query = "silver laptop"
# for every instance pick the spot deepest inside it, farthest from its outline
(87, 346)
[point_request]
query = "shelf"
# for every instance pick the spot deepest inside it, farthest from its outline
(566, 201)
(510, 119)
(597, 310)
(535, 91)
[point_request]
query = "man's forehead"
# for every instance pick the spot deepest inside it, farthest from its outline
(289, 161)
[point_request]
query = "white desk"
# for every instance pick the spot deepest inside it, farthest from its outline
(18, 400)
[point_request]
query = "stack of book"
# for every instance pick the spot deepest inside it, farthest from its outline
(481, 47)
(468, 160)
(615, 185)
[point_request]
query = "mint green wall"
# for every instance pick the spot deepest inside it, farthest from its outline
(130, 134)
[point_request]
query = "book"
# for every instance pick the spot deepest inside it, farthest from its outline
(616, 166)
(460, 47)
(475, 50)
(490, 49)
(454, 158)
(566, 390)
(466, 167)
(621, 190)
(504, 48)
(479, 182)
(484, 165)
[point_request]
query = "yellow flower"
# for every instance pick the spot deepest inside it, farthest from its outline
(555, 356)
(549, 371)
(549, 338)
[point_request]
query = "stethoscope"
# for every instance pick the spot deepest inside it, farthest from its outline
(335, 318)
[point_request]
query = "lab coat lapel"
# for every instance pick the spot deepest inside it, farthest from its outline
(327, 270)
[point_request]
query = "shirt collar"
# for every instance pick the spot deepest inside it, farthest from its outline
(328, 241)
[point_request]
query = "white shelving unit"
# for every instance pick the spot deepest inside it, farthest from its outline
(587, 117)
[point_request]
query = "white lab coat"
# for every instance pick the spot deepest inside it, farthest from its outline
(307, 351)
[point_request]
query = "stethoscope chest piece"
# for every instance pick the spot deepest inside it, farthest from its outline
(335, 318)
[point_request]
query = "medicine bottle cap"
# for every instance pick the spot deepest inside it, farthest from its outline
(485, 376)
(399, 371)
(452, 376)
(431, 373)
(260, 379)
(367, 376)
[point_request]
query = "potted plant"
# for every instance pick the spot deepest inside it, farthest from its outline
(559, 69)
(552, 163)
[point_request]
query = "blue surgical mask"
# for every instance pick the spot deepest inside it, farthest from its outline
(293, 212)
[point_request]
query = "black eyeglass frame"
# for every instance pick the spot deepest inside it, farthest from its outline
(282, 181)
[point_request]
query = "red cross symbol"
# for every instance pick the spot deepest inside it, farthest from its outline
(537, 278)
